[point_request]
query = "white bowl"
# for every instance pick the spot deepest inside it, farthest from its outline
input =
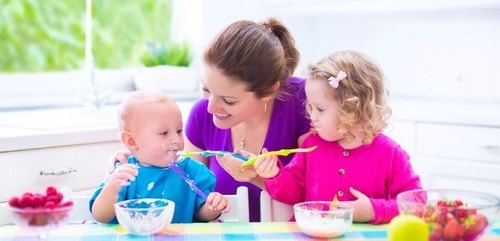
(144, 216)
(316, 219)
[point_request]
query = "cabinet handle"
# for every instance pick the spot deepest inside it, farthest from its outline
(490, 147)
(58, 172)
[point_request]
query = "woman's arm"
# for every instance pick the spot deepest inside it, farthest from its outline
(188, 146)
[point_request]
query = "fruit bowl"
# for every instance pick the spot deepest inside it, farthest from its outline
(144, 216)
(41, 219)
(40, 212)
(451, 214)
(317, 219)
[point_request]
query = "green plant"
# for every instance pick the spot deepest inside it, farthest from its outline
(49, 35)
(172, 53)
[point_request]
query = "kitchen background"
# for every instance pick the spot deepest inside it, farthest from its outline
(440, 59)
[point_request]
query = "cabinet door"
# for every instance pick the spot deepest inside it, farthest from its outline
(29, 170)
(459, 174)
(473, 143)
(403, 132)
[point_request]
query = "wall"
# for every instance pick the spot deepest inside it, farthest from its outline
(437, 50)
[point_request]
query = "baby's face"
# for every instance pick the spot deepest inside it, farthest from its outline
(158, 132)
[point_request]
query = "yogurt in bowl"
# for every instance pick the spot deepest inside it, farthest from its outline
(317, 219)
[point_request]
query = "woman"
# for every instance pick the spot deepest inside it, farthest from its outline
(250, 102)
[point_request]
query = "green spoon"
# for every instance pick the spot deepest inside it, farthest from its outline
(282, 152)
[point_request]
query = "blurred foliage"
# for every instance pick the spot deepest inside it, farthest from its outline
(172, 53)
(50, 34)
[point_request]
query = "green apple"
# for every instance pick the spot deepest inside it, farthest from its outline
(406, 227)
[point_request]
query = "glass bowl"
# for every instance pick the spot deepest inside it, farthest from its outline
(41, 220)
(451, 214)
(144, 216)
(316, 219)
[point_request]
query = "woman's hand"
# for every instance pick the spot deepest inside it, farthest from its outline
(363, 209)
(267, 166)
(119, 157)
(122, 176)
(234, 167)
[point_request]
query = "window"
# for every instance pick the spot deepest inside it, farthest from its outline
(43, 49)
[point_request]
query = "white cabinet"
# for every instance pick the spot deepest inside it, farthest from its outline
(449, 149)
(80, 167)
(459, 156)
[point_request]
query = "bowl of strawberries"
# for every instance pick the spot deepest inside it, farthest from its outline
(451, 214)
(41, 212)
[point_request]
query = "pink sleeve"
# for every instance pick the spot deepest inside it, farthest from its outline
(402, 178)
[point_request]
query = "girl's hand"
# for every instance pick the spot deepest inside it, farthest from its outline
(363, 209)
(122, 176)
(218, 203)
(267, 166)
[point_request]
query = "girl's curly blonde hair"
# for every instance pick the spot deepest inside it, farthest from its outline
(361, 95)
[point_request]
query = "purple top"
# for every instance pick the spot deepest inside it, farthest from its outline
(288, 122)
(380, 170)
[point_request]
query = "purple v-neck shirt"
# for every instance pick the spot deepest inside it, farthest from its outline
(288, 122)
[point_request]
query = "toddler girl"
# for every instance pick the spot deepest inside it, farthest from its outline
(346, 102)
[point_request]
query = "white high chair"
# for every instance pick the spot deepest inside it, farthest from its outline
(239, 206)
(272, 210)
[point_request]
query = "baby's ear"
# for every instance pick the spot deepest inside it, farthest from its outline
(128, 140)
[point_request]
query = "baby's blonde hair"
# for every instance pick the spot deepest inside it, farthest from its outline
(135, 100)
(361, 95)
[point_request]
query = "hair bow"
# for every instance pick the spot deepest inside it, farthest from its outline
(334, 82)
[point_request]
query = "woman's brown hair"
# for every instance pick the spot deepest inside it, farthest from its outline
(259, 54)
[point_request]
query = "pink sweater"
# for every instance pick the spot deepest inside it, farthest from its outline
(380, 170)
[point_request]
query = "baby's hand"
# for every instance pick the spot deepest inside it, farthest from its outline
(217, 202)
(267, 166)
(122, 175)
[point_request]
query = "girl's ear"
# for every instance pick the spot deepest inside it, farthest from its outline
(129, 141)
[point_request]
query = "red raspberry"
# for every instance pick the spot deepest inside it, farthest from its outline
(26, 201)
(66, 204)
(50, 205)
(50, 191)
(56, 198)
(38, 200)
(14, 202)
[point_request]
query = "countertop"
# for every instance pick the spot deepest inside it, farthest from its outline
(33, 129)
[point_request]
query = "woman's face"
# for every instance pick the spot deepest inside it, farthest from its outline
(228, 100)
(323, 109)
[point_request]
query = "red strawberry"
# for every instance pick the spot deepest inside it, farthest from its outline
(474, 225)
(453, 230)
(436, 232)
(442, 203)
(458, 203)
